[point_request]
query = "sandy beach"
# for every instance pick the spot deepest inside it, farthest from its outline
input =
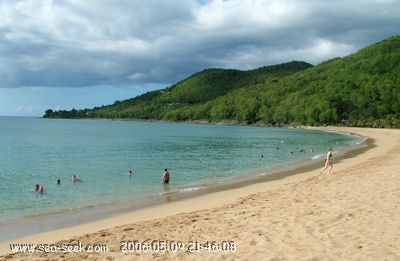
(351, 214)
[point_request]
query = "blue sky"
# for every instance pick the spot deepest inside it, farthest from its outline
(81, 54)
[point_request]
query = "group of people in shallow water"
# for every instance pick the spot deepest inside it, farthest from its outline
(166, 176)
(291, 152)
(328, 159)
(165, 180)
(40, 189)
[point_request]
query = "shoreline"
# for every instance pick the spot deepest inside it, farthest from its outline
(67, 218)
(226, 201)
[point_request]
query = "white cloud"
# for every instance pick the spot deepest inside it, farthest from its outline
(231, 15)
(87, 43)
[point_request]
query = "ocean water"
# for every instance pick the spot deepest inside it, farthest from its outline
(100, 153)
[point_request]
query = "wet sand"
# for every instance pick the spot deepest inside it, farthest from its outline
(350, 214)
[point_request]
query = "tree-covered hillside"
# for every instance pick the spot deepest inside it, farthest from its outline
(362, 89)
(198, 89)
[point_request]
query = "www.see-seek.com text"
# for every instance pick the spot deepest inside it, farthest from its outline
(79, 247)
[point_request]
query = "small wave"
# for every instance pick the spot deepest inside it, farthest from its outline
(191, 189)
(168, 193)
(317, 157)
(362, 141)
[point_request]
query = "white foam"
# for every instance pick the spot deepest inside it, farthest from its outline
(192, 189)
(317, 157)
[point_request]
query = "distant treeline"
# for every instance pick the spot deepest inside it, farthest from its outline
(362, 89)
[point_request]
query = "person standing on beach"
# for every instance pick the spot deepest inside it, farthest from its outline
(165, 177)
(328, 161)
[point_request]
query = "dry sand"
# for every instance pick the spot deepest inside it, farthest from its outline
(352, 214)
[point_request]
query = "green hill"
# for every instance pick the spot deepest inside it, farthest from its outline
(362, 89)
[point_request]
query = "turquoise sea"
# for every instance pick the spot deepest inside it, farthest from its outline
(101, 152)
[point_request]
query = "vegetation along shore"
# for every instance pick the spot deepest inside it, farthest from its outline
(361, 89)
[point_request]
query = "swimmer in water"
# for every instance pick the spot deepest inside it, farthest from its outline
(38, 188)
(165, 177)
(75, 179)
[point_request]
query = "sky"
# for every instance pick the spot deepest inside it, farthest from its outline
(64, 54)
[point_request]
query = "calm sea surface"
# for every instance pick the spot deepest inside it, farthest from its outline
(100, 153)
